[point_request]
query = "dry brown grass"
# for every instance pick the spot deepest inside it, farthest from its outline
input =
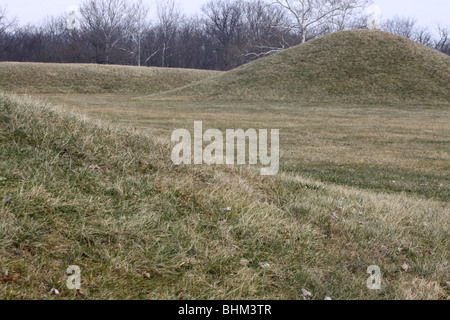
(31, 78)
(376, 147)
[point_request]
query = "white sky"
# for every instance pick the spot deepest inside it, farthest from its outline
(428, 12)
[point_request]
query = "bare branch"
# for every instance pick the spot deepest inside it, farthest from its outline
(5, 23)
(313, 14)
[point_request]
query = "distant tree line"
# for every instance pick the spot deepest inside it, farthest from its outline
(228, 33)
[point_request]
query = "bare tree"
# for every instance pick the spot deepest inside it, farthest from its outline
(316, 14)
(443, 42)
(169, 19)
(105, 23)
(262, 31)
(136, 29)
(423, 36)
(401, 26)
(223, 23)
(5, 23)
(408, 28)
(192, 45)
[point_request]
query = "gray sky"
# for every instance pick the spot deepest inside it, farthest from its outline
(428, 13)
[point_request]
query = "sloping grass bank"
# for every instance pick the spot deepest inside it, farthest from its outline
(50, 78)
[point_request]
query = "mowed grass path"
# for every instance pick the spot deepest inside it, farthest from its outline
(392, 148)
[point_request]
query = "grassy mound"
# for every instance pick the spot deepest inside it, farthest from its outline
(350, 67)
(77, 192)
(85, 78)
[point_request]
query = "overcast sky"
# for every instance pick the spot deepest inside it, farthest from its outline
(428, 12)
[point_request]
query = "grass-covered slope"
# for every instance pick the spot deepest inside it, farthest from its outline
(74, 192)
(351, 66)
(89, 78)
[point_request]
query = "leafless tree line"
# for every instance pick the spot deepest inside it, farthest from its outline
(408, 28)
(228, 33)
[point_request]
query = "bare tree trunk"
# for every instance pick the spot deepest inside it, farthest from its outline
(105, 22)
(169, 21)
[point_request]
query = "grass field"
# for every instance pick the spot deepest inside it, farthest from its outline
(87, 180)
(374, 147)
